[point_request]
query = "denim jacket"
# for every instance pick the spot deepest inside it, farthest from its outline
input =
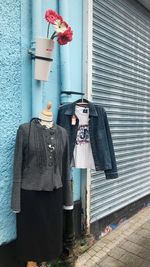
(100, 136)
(41, 162)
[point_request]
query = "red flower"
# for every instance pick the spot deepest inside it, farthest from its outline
(51, 16)
(65, 37)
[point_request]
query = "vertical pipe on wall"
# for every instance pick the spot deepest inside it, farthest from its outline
(36, 31)
(64, 57)
(66, 86)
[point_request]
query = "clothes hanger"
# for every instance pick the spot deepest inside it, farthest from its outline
(82, 102)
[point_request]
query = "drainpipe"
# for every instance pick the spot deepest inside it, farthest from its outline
(66, 86)
(36, 31)
(64, 58)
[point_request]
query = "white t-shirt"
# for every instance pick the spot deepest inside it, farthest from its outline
(82, 155)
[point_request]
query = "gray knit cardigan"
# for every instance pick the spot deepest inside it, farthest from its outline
(41, 162)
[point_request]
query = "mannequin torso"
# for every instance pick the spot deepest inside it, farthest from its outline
(46, 120)
(46, 116)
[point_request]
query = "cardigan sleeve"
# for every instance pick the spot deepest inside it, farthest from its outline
(67, 181)
(17, 172)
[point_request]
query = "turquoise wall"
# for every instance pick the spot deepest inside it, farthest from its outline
(26, 75)
(16, 87)
(71, 65)
(11, 101)
(51, 89)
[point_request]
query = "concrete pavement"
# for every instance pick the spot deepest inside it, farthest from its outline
(126, 246)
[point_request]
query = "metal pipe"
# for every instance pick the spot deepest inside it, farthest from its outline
(36, 31)
(66, 86)
(64, 58)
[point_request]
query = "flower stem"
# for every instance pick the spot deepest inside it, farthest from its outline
(48, 30)
(53, 35)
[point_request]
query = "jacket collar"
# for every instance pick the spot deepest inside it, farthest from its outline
(71, 108)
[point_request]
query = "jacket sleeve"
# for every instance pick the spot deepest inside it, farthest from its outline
(60, 116)
(113, 173)
(67, 181)
(17, 172)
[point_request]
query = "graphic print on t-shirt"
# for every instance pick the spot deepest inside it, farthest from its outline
(82, 154)
(83, 135)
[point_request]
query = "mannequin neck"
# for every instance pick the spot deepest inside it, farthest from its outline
(46, 120)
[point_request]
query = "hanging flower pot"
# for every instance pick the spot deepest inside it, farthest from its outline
(43, 58)
(45, 46)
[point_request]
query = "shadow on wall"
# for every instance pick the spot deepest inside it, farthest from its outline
(8, 255)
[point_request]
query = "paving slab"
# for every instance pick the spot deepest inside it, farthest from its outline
(126, 246)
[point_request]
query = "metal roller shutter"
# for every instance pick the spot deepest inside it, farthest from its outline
(121, 83)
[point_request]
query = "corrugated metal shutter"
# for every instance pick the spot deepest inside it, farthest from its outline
(121, 83)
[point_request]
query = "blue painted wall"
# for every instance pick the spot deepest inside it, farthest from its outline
(75, 64)
(51, 89)
(26, 70)
(16, 91)
(15, 94)
(71, 63)
(10, 106)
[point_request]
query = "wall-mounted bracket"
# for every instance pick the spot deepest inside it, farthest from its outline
(31, 51)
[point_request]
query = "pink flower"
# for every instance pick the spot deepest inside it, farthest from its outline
(51, 16)
(65, 37)
(62, 31)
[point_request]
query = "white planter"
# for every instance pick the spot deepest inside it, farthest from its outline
(44, 49)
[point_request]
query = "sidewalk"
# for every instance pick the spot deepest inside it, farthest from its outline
(126, 246)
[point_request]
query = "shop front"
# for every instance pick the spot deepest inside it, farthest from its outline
(120, 82)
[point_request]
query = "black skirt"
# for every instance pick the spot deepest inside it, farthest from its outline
(40, 226)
